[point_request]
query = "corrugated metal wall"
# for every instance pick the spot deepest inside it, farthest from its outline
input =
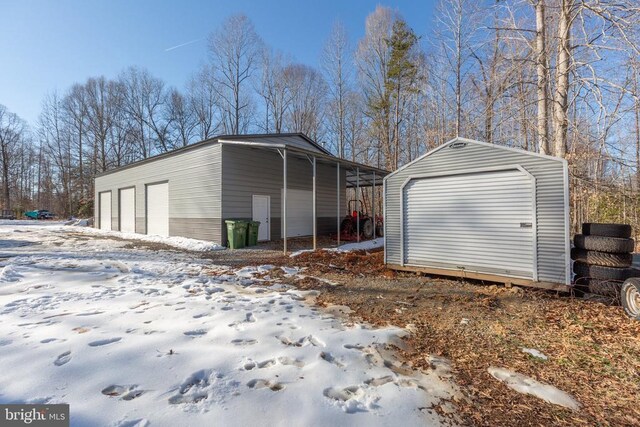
(194, 191)
(551, 180)
(248, 171)
(471, 221)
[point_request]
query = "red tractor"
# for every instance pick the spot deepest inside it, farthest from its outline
(349, 225)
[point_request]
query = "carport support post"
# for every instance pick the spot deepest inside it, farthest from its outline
(284, 200)
(373, 204)
(315, 213)
(357, 200)
(338, 204)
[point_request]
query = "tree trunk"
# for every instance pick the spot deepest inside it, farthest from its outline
(636, 105)
(5, 178)
(542, 71)
(560, 106)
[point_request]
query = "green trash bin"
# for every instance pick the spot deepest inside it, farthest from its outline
(252, 232)
(236, 233)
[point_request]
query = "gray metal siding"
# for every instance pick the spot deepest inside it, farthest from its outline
(551, 222)
(249, 171)
(484, 233)
(194, 191)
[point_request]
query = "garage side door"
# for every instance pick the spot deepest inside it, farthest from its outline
(480, 222)
(128, 210)
(105, 211)
(158, 209)
(299, 213)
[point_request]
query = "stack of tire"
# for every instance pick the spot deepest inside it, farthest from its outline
(603, 258)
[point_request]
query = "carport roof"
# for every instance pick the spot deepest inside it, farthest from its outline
(297, 144)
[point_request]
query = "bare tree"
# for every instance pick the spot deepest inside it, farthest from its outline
(275, 90)
(144, 98)
(12, 130)
(458, 23)
(181, 119)
(235, 51)
(205, 102)
(372, 61)
(306, 111)
(336, 64)
(542, 70)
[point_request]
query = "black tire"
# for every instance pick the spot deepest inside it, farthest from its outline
(603, 273)
(613, 245)
(366, 228)
(606, 288)
(602, 258)
(607, 230)
(346, 226)
(630, 297)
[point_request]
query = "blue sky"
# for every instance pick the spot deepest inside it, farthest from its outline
(47, 45)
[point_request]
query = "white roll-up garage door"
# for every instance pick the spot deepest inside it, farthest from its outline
(158, 209)
(128, 210)
(481, 222)
(105, 210)
(299, 213)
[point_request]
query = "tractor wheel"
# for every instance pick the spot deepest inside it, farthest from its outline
(630, 298)
(366, 228)
(346, 226)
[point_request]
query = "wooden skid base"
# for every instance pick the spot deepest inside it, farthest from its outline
(508, 281)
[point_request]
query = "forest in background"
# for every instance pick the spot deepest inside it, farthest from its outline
(560, 77)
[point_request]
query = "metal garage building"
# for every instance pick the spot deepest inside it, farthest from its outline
(191, 191)
(481, 211)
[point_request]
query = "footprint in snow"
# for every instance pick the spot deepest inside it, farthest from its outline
(331, 359)
(63, 359)
(351, 399)
(284, 360)
(260, 383)
(243, 341)
(140, 422)
(92, 313)
(107, 341)
(353, 347)
(198, 316)
(196, 388)
(195, 333)
(125, 392)
(377, 382)
(301, 342)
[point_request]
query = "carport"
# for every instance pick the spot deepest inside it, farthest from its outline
(356, 177)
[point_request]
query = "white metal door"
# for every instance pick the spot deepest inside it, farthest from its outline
(158, 209)
(105, 211)
(299, 213)
(482, 222)
(128, 210)
(261, 208)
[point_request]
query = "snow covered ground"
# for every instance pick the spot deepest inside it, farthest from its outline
(137, 337)
(365, 245)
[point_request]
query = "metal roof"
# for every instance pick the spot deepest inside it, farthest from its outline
(297, 143)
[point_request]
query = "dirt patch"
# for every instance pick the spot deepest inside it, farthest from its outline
(593, 349)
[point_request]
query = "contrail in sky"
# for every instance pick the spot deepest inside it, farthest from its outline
(181, 45)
